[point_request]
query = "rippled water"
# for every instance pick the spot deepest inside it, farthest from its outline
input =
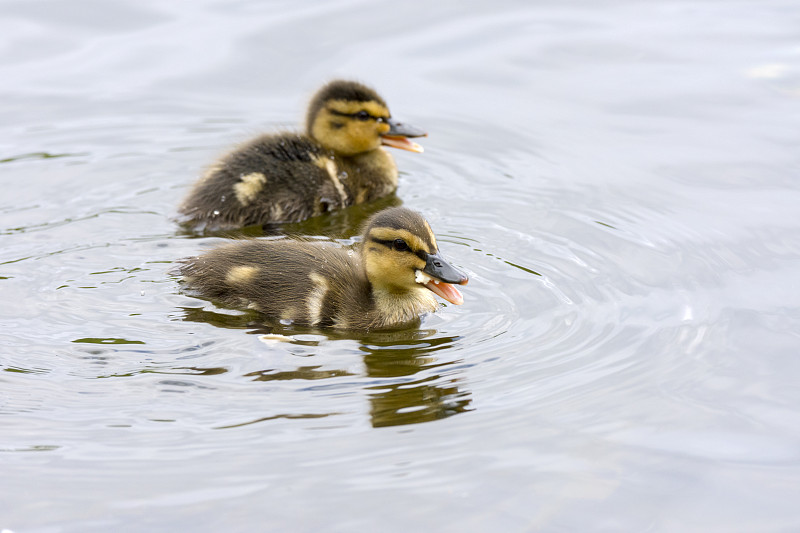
(619, 178)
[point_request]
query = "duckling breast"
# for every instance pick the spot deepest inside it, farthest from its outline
(370, 175)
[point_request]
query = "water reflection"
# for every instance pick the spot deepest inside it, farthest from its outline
(416, 401)
(408, 376)
(341, 224)
(197, 371)
(302, 372)
(235, 320)
(278, 417)
(413, 385)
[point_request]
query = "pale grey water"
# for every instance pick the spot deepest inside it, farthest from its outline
(620, 179)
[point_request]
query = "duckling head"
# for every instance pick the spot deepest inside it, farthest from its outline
(401, 257)
(350, 118)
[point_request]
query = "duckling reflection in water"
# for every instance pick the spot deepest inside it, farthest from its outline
(387, 281)
(290, 177)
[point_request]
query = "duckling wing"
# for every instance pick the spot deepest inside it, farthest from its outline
(307, 283)
(273, 178)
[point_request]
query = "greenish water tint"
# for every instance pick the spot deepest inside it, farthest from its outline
(37, 155)
(619, 179)
(107, 341)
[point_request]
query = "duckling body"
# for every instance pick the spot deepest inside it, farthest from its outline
(289, 177)
(388, 280)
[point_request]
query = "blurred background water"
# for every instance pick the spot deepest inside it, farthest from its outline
(619, 178)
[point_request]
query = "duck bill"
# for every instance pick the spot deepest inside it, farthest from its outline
(444, 277)
(398, 135)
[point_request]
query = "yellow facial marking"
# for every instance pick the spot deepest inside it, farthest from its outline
(349, 107)
(390, 234)
(336, 129)
(316, 297)
(389, 270)
(248, 188)
(240, 274)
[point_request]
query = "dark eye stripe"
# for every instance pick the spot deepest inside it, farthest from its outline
(422, 254)
(361, 115)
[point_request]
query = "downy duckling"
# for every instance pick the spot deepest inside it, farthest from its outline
(388, 280)
(290, 177)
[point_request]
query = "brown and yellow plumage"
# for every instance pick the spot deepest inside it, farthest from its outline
(388, 280)
(289, 177)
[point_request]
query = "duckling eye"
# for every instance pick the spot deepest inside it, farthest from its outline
(363, 116)
(400, 245)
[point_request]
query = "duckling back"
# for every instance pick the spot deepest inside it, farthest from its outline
(291, 177)
(273, 178)
(305, 283)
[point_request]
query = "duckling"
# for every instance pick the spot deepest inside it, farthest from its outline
(289, 177)
(388, 280)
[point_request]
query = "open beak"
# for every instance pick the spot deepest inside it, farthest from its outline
(398, 135)
(442, 277)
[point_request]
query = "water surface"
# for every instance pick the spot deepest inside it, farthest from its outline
(619, 179)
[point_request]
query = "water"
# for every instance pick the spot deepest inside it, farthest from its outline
(619, 179)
